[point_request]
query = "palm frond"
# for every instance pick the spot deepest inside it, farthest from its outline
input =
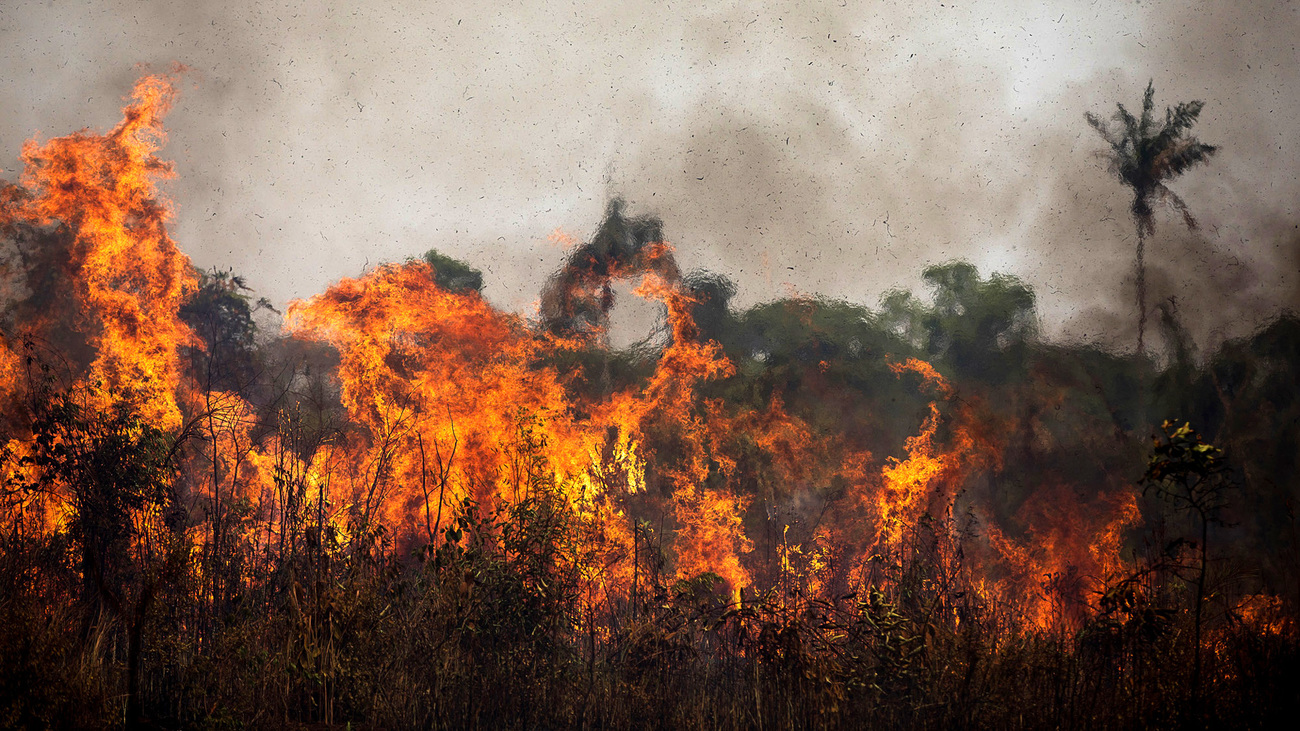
(1179, 156)
(1103, 129)
(1132, 129)
(1173, 199)
(1148, 103)
(1180, 118)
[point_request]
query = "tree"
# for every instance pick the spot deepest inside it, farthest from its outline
(712, 308)
(1192, 476)
(454, 275)
(1145, 154)
(978, 326)
(578, 298)
(115, 472)
(220, 312)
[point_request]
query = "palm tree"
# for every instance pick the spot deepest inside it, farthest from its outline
(1144, 155)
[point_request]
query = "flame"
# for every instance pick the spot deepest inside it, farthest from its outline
(448, 390)
(911, 485)
(452, 394)
(1265, 614)
(129, 275)
(449, 398)
(10, 372)
(1070, 551)
(927, 373)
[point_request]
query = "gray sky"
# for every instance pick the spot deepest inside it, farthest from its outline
(794, 146)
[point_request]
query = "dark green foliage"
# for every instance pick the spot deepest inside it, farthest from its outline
(1193, 477)
(220, 312)
(113, 472)
(712, 309)
(107, 466)
(981, 327)
(453, 275)
(1189, 473)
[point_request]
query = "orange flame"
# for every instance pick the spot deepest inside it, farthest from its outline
(1071, 550)
(129, 274)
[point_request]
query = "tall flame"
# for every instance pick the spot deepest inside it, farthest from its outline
(130, 276)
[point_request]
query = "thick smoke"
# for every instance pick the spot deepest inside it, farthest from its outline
(790, 146)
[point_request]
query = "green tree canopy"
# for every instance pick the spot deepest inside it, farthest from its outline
(975, 324)
(453, 275)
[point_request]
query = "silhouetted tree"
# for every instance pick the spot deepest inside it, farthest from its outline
(1144, 154)
(1192, 476)
(711, 312)
(115, 473)
(220, 312)
(578, 298)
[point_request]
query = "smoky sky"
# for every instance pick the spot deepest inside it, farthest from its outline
(797, 147)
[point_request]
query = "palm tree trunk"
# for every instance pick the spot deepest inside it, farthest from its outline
(1141, 288)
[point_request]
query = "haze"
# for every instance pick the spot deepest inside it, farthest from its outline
(816, 148)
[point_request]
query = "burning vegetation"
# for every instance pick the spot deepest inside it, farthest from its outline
(412, 509)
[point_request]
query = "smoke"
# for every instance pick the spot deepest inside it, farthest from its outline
(791, 146)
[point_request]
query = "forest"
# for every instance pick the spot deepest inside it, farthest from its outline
(395, 505)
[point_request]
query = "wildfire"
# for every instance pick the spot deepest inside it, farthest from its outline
(448, 391)
(448, 399)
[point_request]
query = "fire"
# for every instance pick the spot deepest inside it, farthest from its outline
(10, 369)
(1071, 552)
(129, 275)
(711, 537)
(447, 390)
(923, 480)
(906, 483)
(449, 399)
(456, 403)
(1265, 614)
(407, 487)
